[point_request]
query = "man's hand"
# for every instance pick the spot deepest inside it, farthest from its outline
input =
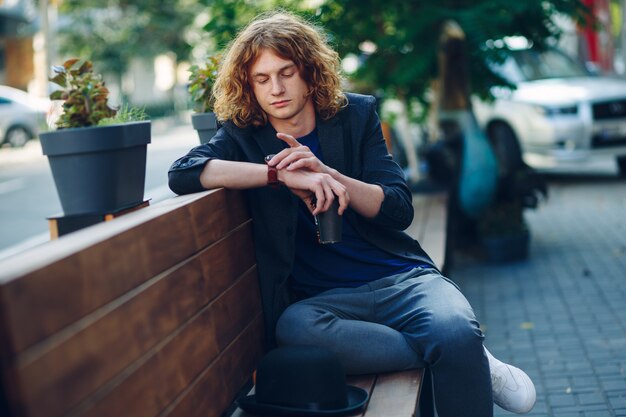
(297, 156)
(307, 177)
(314, 186)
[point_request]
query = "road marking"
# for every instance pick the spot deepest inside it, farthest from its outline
(11, 185)
(25, 245)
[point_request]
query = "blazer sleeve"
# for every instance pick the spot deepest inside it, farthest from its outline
(379, 168)
(184, 173)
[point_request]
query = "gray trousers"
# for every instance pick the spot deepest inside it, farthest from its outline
(410, 320)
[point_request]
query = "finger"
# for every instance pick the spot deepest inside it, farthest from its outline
(299, 162)
(290, 155)
(293, 156)
(288, 139)
(344, 201)
(280, 156)
(330, 197)
(320, 201)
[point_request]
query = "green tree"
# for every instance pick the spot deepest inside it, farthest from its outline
(403, 37)
(396, 41)
(111, 33)
(227, 17)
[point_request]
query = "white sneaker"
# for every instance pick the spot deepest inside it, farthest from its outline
(512, 388)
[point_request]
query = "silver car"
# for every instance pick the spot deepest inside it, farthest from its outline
(22, 116)
(560, 114)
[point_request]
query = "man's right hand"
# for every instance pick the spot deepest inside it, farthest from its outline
(314, 186)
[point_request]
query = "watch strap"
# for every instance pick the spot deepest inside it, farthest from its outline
(272, 177)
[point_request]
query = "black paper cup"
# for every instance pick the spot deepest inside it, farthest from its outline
(329, 224)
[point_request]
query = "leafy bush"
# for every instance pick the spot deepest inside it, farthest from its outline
(201, 83)
(85, 97)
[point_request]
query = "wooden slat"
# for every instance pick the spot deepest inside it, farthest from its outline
(148, 386)
(66, 279)
(211, 219)
(62, 372)
(395, 394)
(216, 388)
(430, 224)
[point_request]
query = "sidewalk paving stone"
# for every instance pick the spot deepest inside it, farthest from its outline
(561, 314)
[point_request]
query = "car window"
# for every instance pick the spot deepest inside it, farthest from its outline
(533, 65)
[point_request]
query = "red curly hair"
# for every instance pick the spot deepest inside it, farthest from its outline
(290, 37)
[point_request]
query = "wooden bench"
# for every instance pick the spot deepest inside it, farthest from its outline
(156, 313)
(430, 225)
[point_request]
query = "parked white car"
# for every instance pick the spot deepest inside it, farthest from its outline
(22, 116)
(560, 114)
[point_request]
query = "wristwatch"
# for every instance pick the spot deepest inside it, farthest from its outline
(272, 173)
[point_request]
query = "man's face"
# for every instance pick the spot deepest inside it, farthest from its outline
(280, 90)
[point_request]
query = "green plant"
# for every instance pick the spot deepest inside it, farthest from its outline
(201, 82)
(125, 114)
(85, 97)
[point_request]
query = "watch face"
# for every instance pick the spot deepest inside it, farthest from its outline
(268, 157)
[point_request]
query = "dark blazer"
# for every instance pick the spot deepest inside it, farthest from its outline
(352, 143)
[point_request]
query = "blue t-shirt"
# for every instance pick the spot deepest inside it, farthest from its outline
(349, 263)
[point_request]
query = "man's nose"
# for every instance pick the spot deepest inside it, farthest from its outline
(277, 87)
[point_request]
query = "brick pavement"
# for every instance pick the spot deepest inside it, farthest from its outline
(561, 314)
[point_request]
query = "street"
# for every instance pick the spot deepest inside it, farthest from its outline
(28, 195)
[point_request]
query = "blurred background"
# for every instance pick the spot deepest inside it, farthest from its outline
(144, 49)
(543, 80)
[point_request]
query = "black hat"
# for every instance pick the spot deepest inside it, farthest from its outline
(302, 381)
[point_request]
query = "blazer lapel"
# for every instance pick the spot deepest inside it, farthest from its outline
(331, 139)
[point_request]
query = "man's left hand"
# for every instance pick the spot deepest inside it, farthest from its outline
(297, 156)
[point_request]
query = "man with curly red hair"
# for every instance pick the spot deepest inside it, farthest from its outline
(376, 299)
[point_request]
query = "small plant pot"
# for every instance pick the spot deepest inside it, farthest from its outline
(205, 124)
(98, 169)
(507, 248)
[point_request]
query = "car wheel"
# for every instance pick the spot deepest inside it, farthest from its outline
(506, 147)
(621, 165)
(17, 136)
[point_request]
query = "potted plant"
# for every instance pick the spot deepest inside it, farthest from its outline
(502, 228)
(97, 154)
(200, 88)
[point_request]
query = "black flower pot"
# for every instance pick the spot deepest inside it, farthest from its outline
(507, 248)
(99, 169)
(205, 124)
